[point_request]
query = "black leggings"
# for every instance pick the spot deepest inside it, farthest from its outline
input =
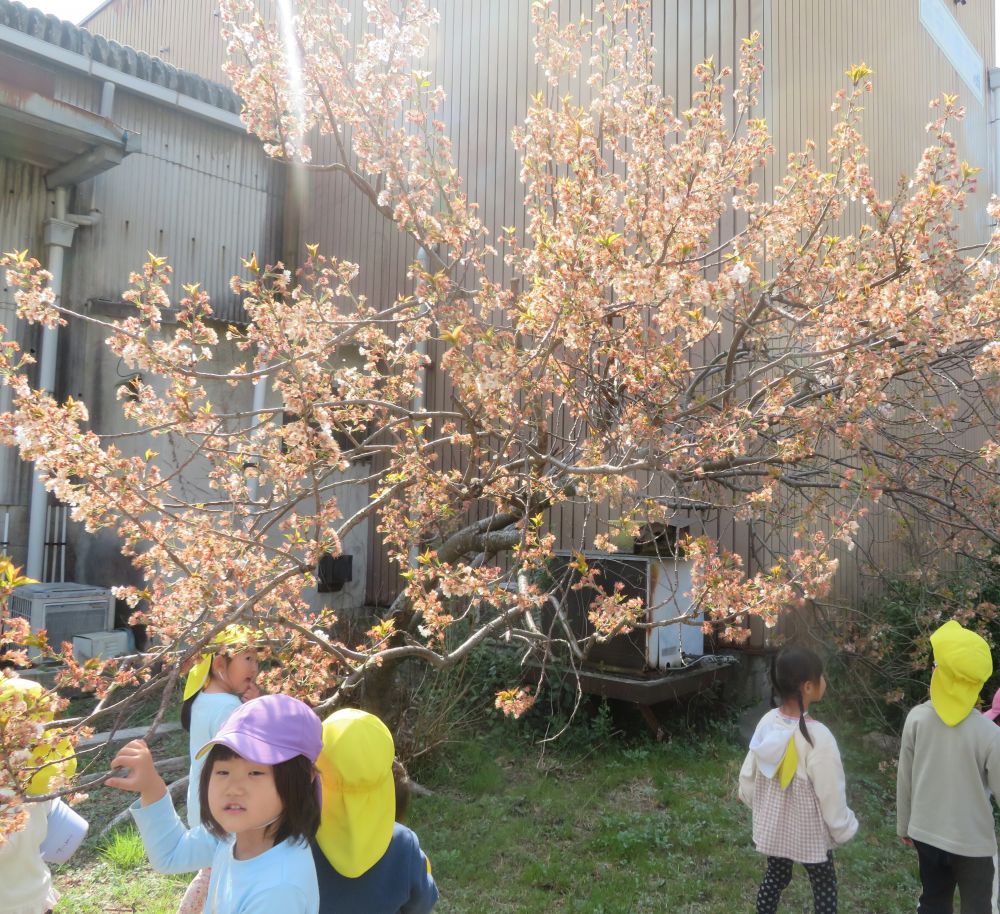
(778, 874)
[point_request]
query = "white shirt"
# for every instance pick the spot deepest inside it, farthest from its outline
(810, 816)
(25, 880)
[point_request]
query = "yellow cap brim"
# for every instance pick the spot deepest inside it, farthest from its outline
(197, 676)
(58, 759)
(355, 829)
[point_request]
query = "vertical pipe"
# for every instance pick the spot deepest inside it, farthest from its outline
(259, 402)
(993, 119)
(58, 237)
(420, 400)
(62, 544)
(107, 99)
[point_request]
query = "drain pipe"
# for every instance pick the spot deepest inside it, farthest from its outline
(994, 123)
(58, 237)
(420, 400)
(259, 402)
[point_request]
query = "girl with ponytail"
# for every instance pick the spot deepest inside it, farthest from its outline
(793, 780)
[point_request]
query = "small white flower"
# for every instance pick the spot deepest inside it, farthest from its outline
(740, 273)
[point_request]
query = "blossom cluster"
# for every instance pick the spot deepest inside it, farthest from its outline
(615, 361)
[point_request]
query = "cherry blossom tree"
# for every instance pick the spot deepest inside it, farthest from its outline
(792, 374)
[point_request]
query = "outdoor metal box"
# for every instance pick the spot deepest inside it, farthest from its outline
(100, 644)
(663, 584)
(64, 610)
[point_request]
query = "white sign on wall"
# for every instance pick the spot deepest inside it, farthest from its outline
(961, 53)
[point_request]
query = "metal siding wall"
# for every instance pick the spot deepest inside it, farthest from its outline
(809, 45)
(813, 42)
(188, 29)
(24, 205)
(78, 90)
(202, 196)
(486, 64)
(484, 58)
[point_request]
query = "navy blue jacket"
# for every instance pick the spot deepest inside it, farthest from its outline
(398, 884)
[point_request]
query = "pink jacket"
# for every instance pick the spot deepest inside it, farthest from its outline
(994, 711)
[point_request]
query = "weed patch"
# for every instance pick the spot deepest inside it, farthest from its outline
(123, 849)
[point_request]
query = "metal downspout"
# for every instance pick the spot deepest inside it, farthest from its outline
(58, 238)
(259, 402)
(993, 118)
(420, 400)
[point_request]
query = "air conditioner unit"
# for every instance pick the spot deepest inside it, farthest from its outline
(661, 583)
(63, 610)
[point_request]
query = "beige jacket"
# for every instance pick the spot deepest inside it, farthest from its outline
(943, 780)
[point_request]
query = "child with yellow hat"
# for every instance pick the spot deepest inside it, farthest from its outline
(26, 880)
(366, 861)
(948, 758)
(224, 674)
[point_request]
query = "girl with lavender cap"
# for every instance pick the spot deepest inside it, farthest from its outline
(260, 807)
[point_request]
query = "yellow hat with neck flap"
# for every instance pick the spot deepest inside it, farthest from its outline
(962, 664)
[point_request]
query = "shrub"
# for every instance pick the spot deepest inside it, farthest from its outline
(885, 644)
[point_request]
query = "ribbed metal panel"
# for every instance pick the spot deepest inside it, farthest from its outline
(184, 33)
(200, 195)
(77, 90)
(484, 57)
(23, 207)
(810, 44)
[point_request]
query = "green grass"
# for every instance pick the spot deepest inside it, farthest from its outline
(123, 849)
(593, 825)
(95, 882)
(633, 829)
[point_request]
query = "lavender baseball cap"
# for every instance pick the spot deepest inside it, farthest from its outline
(270, 730)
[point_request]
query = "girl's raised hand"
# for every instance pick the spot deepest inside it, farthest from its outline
(141, 774)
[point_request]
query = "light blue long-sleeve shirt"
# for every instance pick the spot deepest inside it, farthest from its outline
(282, 879)
(209, 711)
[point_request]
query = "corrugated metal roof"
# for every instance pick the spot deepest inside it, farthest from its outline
(78, 40)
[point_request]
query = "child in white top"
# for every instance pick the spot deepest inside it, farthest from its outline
(260, 806)
(25, 881)
(793, 780)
